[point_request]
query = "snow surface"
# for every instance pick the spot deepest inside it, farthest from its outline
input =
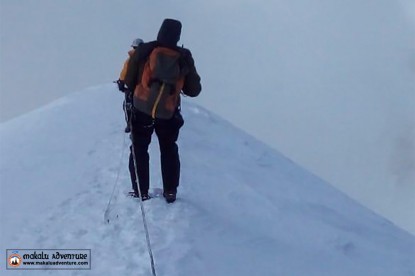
(242, 208)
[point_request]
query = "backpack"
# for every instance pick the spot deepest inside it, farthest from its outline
(162, 80)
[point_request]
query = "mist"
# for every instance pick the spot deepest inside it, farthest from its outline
(331, 85)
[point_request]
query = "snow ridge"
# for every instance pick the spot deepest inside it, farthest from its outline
(242, 208)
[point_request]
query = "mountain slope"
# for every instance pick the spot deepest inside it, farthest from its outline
(242, 208)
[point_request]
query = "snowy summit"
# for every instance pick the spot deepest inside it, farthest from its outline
(242, 208)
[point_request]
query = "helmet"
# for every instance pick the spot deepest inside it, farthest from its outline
(136, 42)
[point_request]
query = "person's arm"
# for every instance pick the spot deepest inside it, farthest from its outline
(124, 69)
(192, 86)
(121, 80)
(132, 72)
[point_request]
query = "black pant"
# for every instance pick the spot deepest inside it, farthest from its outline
(167, 132)
(127, 106)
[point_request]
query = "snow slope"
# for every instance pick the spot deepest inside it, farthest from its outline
(242, 208)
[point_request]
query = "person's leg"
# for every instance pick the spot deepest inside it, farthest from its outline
(131, 168)
(127, 106)
(142, 130)
(168, 133)
(129, 109)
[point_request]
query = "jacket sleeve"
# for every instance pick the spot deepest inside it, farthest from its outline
(192, 86)
(124, 70)
(132, 72)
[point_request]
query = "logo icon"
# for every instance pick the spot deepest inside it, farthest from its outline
(15, 260)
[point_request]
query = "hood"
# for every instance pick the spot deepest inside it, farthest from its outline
(169, 33)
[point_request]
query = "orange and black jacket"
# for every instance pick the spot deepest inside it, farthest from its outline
(123, 73)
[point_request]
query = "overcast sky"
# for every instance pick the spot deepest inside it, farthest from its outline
(331, 85)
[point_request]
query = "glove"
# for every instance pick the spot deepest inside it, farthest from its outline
(121, 85)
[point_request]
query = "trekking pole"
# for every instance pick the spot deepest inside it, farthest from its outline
(150, 252)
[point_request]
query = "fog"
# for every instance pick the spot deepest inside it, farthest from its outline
(331, 85)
